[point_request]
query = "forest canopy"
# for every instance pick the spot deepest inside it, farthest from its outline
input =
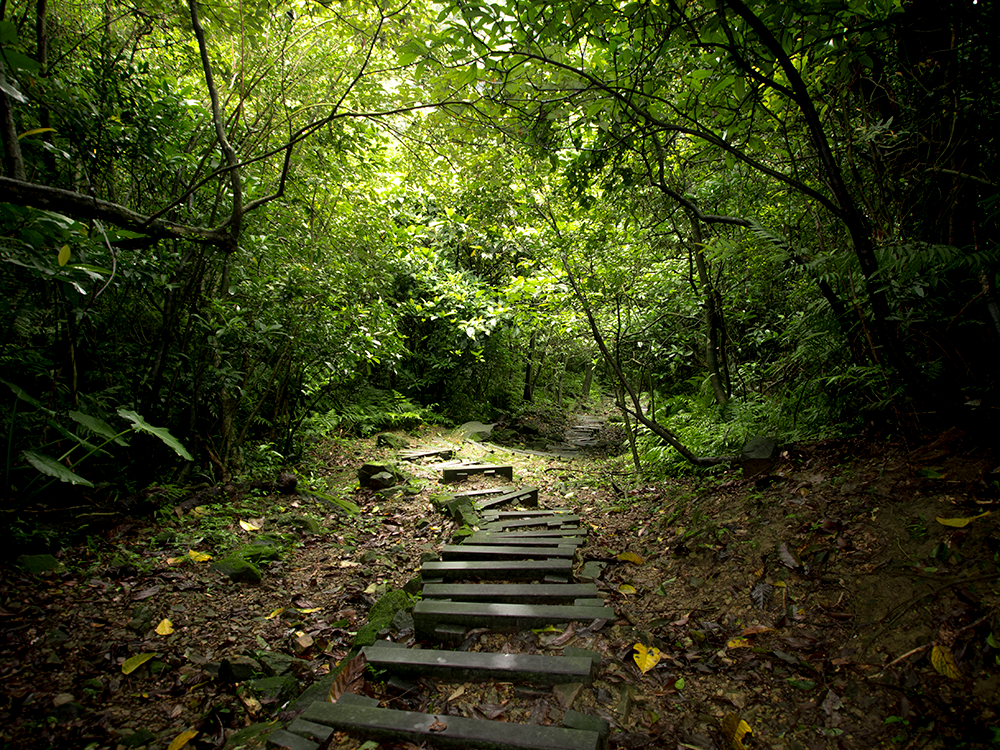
(227, 228)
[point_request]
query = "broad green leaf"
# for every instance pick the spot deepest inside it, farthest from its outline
(24, 396)
(646, 657)
(133, 663)
(347, 505)
(162, 433)
(97, 426)
(64, 255)
(801, 684)
(50, 467)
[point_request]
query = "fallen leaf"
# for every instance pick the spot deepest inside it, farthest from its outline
(631, 557)
(437, 725)
(738, 643)
(275, 613)
(199, 556)
(958, 523)
(944, 662)
(134, 662)
(756, 630)
(147, 593)
(182, 739)
(247, 526)
(349, 564)
(458, 692)
(734, 729)
(646, 657)
(627, 588)
(165, 627)
(350, 679)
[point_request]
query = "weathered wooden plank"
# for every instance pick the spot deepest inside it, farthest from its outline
(502, 514)
(493, 552)
(516, 540)
(285, 739)
(309, 730)
(416, 454)
(458, 473)
(448, 731)
(429, 613)
(488, 492)
(524, 495)
(513, 570)
(469, 666)
(554, 533)
(514, 593)
(524, 523)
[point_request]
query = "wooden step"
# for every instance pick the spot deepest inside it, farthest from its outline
(555, 533)
(415, 454)
(469, 666)
(448, 731)
(524, 495)
(525, 523)
(514, 593)
(496, 570)
(516, 540)
(463, 471)
(494, 552)
(429, 613)
(504, 514)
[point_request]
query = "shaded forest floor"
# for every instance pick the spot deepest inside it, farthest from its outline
(807, 602)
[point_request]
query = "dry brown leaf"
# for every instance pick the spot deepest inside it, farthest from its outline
(350, 680)
(944, 662)
(437, 725)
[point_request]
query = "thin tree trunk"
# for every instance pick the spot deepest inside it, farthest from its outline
(711, 315)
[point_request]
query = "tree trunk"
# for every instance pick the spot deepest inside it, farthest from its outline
(712, 317)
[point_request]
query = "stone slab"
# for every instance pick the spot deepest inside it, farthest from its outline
(458, 473)
(285, 739)
(430, 613)
(496, 570)
(512, 593)
(417, 454)
(310, 730)
(521, 523)
(514, 540)
(504, 514)
(493, 552)
(470, 666)
(524, 495)
(525, 534)
(449, 731)
(487, 492)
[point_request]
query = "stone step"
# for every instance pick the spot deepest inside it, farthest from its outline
(554, 533)
(504, 514)
(469, 666)
(458, 473)
(416, 454)
(448, 731)
(524, 523)
(487, 492)
(523, 495)
(514, 540)
(493, 552)
(429, 613)
(496, 570)
(513, 593)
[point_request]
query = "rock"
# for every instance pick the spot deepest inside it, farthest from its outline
(381, 481)
(369, 470)
(302, 643)
(758, 456)
(240, 669)
(381, 615)
(390, 440)
(463, 511)
(275, 689)
(475, 430)
(307, 524)
(258, 553)
(237, 569)
(138, 738)
(286, 483)
(276, 664)
(38, 564)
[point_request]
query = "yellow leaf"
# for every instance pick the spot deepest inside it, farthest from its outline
(175, 560)
(64, 255)
(200, 511)
(631, 557)
(276, 612)
(165, 627)
(646, 658)
(960, 522)
(627, 588)
(199, 556)
(182, 739)
(133, 663)
(738, 643)
(734, 729)
(944, 662)
(310, 610)
(247, 526)
(349, 564)
(35, 131)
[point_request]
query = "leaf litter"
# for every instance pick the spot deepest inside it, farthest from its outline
(821, 604)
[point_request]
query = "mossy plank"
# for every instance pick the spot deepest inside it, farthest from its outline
(513, 593)
(492, 552)
(430, 613)
(513, 570)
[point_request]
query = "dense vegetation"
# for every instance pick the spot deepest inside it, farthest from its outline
(252, 223)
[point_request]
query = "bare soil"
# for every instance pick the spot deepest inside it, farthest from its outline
(825, 604)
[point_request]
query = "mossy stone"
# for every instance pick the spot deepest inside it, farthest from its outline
(237, 569)
(368, 471)
(381, 615)
(390, 440)
(38, 564)
(441, 499)
(307, 524)
(138, 738)
(258, 553)
(275, 689)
